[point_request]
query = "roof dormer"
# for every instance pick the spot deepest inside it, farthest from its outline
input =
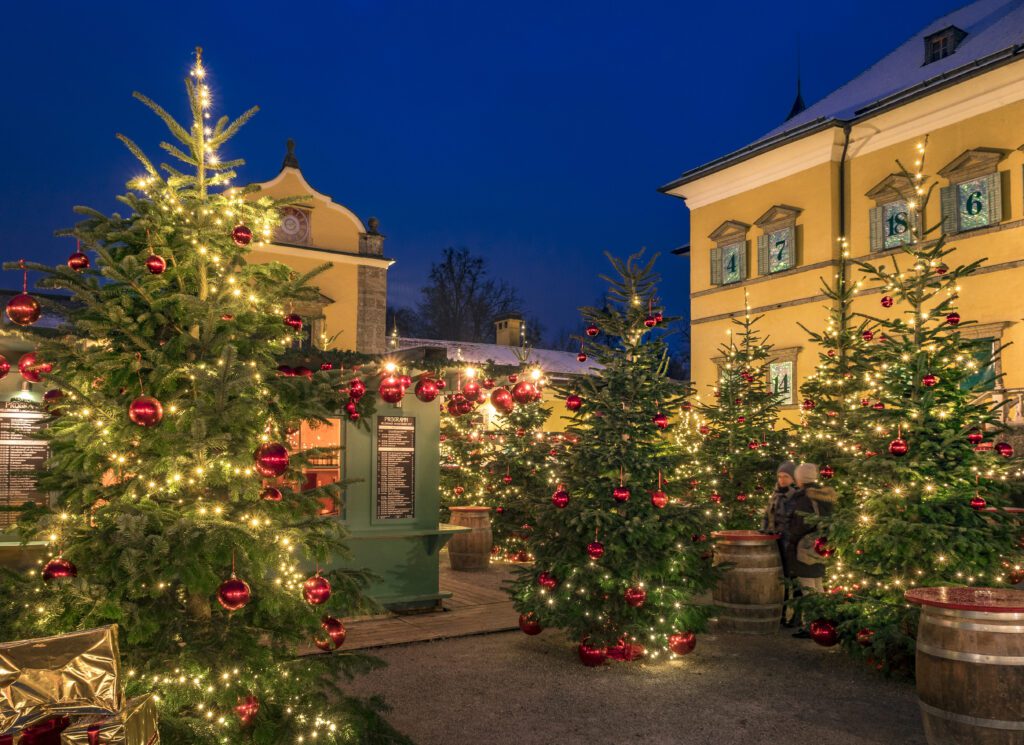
(942, 43)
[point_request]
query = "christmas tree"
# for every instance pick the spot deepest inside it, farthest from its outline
(924, 497)
(734, 469)
(618, 564)
(463, 438)
(179, 515)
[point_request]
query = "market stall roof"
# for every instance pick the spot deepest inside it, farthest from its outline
(552, 361)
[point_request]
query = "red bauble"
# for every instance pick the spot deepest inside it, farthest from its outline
(440, 384)
(1005, 449)
(488, 383)
(635, 596)
(741, 497)
(529, 625)
(521, 556)
(546, 579)
(868, 335)
(659, 498)
(682, 643)
(591, 656)
(620, 494)
(391, 389)
(52, 396)
(953, 318)
(659, 317)
(426, 390)
(333, 636)
(573, 402)
(272, 494)
(592, 330)
(878, 406)
(978, 503)
(716, 497)
(560, 498)
(470, 389)
(929, 380)
(233, 594)
(898, 447)
(625, 651)
(5, 367)
(325, 366)
(512, 378)
(351, 407)
(821, 547)
(1015, 576)
(827, 472)
(145, 411)
(502, 400)
(886, 301)
(824, 632)
(271, 459)
(59, 568)
(941, 269)
(808, 404)
(78, 261)
(704, 429)
(864, 637)
(156, 264)
(23, 309)
(316, 589)
(595, 549)
(356, 388)
(975, 436)
(246, 709)
(458, 491)
(31, 368)
(506, 479)
(523, 392)
(241, 235)
(660, 421)
(581, 357)
(293, 321)
(650, 322)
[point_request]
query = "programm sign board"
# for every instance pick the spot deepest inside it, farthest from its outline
(396, 468)
(22, 453)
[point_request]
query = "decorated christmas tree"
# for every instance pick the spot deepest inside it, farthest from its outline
(463, 440)
(618, 563)
(179, 515)
(733, 472)
(923, 500)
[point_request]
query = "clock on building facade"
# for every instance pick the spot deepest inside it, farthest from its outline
(294, 226)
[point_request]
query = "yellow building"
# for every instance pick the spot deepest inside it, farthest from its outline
(766, 221)
(353, 307)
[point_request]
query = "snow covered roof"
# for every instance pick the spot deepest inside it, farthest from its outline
(994, 35)
(551, 361)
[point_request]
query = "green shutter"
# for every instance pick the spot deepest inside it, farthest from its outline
(876, 223)
(947, 197)
(995, 198)
(762, 254)
(743, 260)
(716, 266)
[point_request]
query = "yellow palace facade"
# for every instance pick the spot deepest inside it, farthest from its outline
(767, 221)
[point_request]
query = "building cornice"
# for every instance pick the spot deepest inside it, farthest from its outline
(325, 254)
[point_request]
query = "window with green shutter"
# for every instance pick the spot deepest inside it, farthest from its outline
(891, 222)
(974, 197)
(777, 245)
(729, 257)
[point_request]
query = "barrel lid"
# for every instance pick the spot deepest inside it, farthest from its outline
(982, 599)
(469, 508)
(745, 535)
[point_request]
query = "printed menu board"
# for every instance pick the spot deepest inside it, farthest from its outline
(396, 467)
(22, 453)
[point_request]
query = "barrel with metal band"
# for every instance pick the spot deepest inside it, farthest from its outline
(970, 665)
(749, 593)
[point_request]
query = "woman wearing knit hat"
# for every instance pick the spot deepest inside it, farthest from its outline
(809, 500)
(777, 516)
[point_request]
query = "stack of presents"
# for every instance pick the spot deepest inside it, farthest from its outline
(67, 690)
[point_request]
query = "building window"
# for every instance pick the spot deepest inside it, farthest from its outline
(780, 380)
(729, 257)
(892, 222)
(777, 246)
(942, 43)
(732, 263)
(984, 378)
(974, 197)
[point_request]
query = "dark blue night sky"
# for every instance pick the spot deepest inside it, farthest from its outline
(534, 133)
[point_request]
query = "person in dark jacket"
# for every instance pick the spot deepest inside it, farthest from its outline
(809, 501)
(777, 516)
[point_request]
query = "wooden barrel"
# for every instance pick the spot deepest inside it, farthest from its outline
(970, 665)
(471, 552)
(749, 594)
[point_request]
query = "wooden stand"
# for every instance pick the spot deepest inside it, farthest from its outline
(750, 592)
(471, 552)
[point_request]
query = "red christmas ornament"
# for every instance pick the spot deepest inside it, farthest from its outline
(426, 390)
(659, 317)
(1015, 576)
(78, 261)
(325, 366)
(868, 335)
(808, 404)
(592, 330)
(521, 556)
(591, 656)
(156, 264)
(1005, 449)
(898, 447)
(272, 494)
(529, 625)
(233, 594)
(635, 596)
(523, 392)
(488, 383)
(458, 491)
(351, 407)
(31, 368)
(59, 568)
(391, 389)
(228, 317)
(886, 301)
(546, 579)
(821, 547)
(624, 651)
(975, 436)
(52, 396)
(704, 429)
(865, 402)
(560, 498)
(741, 419)
(978, 502)
(316, 589)
(145, 411)
(682, 643)
(753, 444)
(512, 378)
(241, 235)
(953, 318)
(824, 633)
(333, 636)
(471, 389)
(659, 499)
(620, 494)
(877, 406)
(864, 637)
(293, 321)
(581, 357)
(716, 497)
(246, 709)
(5, 367)
(23, 309)
(941, 269)
(271, 459)
(660, 421)
(356, 389)
(741, 497)
(595, 549)
(650, 322)
(573, 402)
(831, 353)
(929, 380)
(506, 479)
(502, 400)
(827, 472)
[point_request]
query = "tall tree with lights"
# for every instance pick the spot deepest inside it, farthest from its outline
(179, 515)
(733, 471)
(463, 439)
(925, 496)
(617, 565)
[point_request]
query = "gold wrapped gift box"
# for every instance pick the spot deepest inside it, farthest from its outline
(135, 725)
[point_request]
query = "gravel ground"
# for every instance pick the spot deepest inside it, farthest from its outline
(510, 689)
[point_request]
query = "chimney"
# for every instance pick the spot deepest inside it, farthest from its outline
(509, 330)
